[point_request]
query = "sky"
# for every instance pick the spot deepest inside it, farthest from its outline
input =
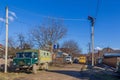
(26, 14)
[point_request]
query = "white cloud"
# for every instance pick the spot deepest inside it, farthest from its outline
(13, 14)
(98, 48)
(116, 48)
(11, 18)
(2, 19)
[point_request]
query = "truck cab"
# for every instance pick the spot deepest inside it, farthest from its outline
(25, 59)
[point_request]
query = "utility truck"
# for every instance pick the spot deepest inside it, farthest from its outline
(32, 60)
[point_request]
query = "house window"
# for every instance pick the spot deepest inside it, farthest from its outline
(44, 53)
(47, 54)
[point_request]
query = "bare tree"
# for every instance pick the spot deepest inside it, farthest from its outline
(71, 47)
(48, 34)
(24, 43)
(12, 46)
(21, 40)
(29, 42)
(26, 46)
(11, 42)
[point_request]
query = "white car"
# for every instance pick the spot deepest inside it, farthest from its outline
(68, 59)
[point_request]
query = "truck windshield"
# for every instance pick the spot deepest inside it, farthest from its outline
(24, 55)
(28, 54)
(68, 57)
(19, 55)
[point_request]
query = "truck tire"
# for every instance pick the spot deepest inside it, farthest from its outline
(13, 68)
(71, 62)
(46, 66)
(34, 68)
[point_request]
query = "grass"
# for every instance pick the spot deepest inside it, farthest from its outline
(16, 76)
(10, 76)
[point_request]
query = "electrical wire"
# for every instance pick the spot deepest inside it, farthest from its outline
(2, 26)
(1, 29)
(97, 8)
(58, 18)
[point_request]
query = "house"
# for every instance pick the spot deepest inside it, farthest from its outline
(59, 55)
(112, 59)
(68, 51)
(2, 50)
(58, 58)
(98, 55)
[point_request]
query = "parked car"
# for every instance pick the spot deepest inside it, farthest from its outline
(68, 59)
(75, 61)
(83, 59)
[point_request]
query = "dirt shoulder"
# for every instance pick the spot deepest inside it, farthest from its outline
(98, 73)
(62, 72)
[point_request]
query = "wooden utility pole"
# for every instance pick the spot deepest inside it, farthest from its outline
(6, 43)
(92, 20)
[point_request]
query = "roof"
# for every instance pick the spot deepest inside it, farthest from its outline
(111, 55)
(33, 50)
(62, 53)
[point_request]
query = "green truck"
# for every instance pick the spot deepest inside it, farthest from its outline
(32, 60)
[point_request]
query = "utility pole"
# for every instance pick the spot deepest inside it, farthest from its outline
(89, 47)
(92, 20)
(6, 43)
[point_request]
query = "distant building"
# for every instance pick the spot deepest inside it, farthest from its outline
(100, 54)
(68, 51)
(59, 55)
(2, 51)
(112, 59)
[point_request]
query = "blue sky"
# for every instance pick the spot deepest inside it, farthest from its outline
(32, 12)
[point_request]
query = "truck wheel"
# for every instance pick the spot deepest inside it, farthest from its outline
(46, 66)
(13, 68)
(71, 62)
(34, 69)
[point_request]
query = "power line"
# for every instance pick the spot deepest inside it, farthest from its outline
(40, 15)
(19, 21)
(97, 8)
(2, 26)
(72, 19)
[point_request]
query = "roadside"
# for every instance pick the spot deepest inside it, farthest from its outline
(63, 72)
(100, 73)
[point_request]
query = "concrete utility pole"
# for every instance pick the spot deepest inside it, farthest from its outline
(92, 20)
(6, 43)
(89, 47)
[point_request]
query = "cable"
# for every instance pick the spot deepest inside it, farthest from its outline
(2, 26)
(40, 15)
(22, 22)
(97, 8)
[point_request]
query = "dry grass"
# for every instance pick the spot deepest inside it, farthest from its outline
(83, 67)
(11, 76)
